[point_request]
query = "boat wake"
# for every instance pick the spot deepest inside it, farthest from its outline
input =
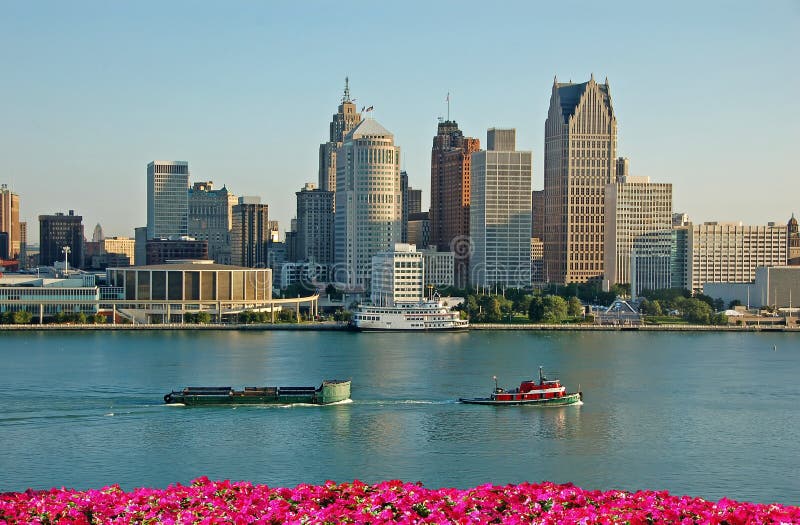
(383, 402)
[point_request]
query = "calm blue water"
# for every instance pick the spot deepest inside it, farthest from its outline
(708, 415)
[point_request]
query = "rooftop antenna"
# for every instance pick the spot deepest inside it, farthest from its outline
(448, 106)
(346, 96)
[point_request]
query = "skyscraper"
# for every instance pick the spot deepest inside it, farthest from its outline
(500, 213)
(638, 233)
(9, 222)
(368, 202)
(211, 219)
(57, 232)
(450, 194)
(167, 199)
(579, 162)
(343, 121)
(250, 233)
(315, 225)
(412, 203)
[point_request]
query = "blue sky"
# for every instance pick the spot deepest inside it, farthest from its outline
(705, 93)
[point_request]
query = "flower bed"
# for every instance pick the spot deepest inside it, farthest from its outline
(211, 502)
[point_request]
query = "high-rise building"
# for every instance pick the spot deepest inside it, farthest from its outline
(722, 252)
(250, 233)
(9, 222)
(638, 234)
(160, 251)
(793, 243)
(315, 225)
(398, 276)
(211, 218)
(368, 202)
(167, 199)
(451, 156)
(23, 245)
(57, 233)
(97, 234)
(537, 214)
(343, 121)
(579, 162)
(412, 203)
(500, 213)
(419, 229)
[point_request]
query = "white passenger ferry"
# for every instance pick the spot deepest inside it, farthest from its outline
(425, 315)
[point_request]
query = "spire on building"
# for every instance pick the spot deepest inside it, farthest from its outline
(346, 96)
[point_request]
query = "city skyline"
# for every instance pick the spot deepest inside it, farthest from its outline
(245, 95)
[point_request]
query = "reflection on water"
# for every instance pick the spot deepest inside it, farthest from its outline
(702, 414)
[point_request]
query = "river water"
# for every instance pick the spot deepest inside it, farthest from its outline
(706, 414)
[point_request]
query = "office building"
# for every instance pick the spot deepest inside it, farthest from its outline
(9, 222)
(167, 199)
(398, 276)
(579, 163)
(537, 260)
(250, 234)
(419, 229)
(438, 268)
(638, 234)
(721, 252)
(161, 251)
(211, 219)
(792, 243)
(500, 213)
(368, 202)
(315, 225)
(345, 119)
(58, 234)
(451, 156)
(412, 203)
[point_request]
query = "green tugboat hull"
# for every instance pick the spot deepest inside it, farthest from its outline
(569, 399)
(330, 391)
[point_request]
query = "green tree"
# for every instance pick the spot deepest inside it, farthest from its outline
(574, 307)
(695, 311)
(536, 309)
(490, 307)
(203, 317)
(100, 319)
(22, 317)
(333, 292)
(189, 318)
(555, 309)
(342, 316)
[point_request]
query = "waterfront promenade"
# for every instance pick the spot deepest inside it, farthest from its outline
(332, 326)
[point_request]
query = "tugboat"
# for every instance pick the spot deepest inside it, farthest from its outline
(547, 392)
(330, 391)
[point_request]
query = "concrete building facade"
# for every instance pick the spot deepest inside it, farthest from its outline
(368, 201)
(439, 268)
(211, 218)
(398, 276)
(500, 214)
(579, 163)
(167, 199)
(638, 234)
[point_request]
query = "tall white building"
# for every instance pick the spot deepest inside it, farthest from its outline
(722, 252)
(368, 202)
(398, 276)
(638, 233)
(500, 213)
(167, 199)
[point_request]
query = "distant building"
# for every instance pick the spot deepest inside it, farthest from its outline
(211, 219)
(398, 276)
(97, 234)
(500, 213)
(419, 229)
(310, 274)
(17, 290)
(439, 267)
(793, 242)
(140, 246)
(345, 119)
(57, 232)
(638, 233)
(537, 260)
(9, 222)
(250, 233)
(537, 214)
(315, 225)
(579, 163)
(679, 263)
(731, 252)
(167, 199)
(160, 251)
(368, 202)
(451, 157)
(110, 252)
(775, 286)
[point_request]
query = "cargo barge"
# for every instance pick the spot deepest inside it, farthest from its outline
(330, 391)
